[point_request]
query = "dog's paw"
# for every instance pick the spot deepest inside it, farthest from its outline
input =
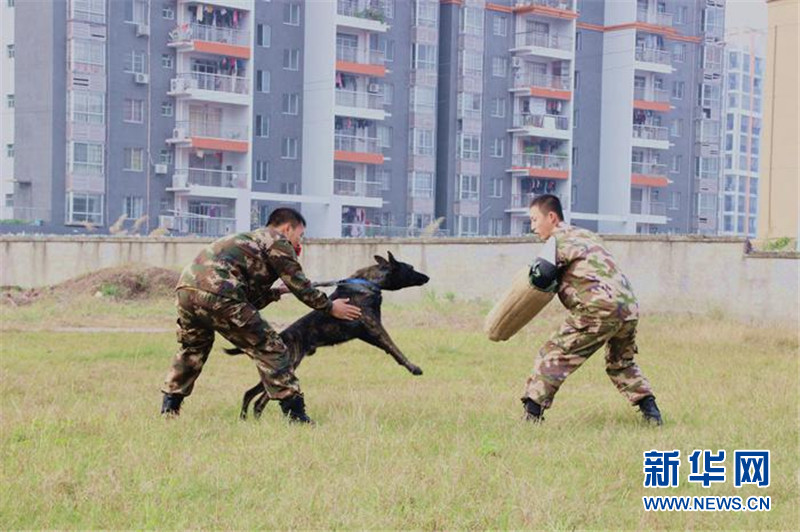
(415, 370)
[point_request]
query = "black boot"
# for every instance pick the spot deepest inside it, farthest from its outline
(295, 409)
(533, 410)
(171, 406)
(650, 410)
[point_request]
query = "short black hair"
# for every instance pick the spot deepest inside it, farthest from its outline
(548, 203)
(284, 215)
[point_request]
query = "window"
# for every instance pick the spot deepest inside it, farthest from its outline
(676, 127)
(165, 157)
(733, 81)
(84, 208)
(576, 118)
(577, 80)
(10, 3)
(385, 179)
(733, 100)
(388, 9)
(135, 63)
(679, 52)
(468, 187)
(291, 59)
(578, 41)
(681, 15)
(677, 161)
(88, 53)
(262, 126)
(423, 57)
(290, 104)
(167, 12)
(262, 172)
(500, 25)
(10, 151)
(497, 188)
(421, 185)
(674, 201)
(423, 141)
(425, 13)
(10, 51)
(574, 156)
(291, 14)
(467, 225)
(89, 11)
(387, 89)
(469, 147)
(729, 142)
(87, 107)
(167, 61)
(678, 90)
(469, 105)
(87, 158)
(290, 188)
(384, 136)
(729, 122)
(499, 107)
(744, 125)
(289, 148)
(759, 66)
(263, 35)
(133, 207)
(133, 160)
(498, 148)
(167, 109)
(263, 79)
(133, 111)
(471, 21)
(499, 67)
(471, 63)
(10, 101)
(137, 11)
(423, 99)
(495, 226)
(742, 143)
(728, 162)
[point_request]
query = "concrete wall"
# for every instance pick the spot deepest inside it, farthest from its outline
(669, 274)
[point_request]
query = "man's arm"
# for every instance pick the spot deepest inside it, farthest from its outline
(283, 259)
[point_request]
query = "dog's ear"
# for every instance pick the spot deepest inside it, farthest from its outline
(381, 261)
(391, 257)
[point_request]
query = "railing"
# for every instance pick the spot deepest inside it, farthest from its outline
(565, 5)
(364, 230)
(201, 32)
(523, 201)
(210, 82)
(363, 100)
(657, 18)
(355, 144)
(648, 168)
(543, 40)
(209, 178)
(199, 225)
(540, 160)
(347, 187)
(652, 95)
(354, 54)
(653, 55)
(368, 9)
(645, 132)
(542, 121)
(216, 130)
(654, 208)
(536, 79)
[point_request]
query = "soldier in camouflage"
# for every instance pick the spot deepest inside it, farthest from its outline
(223, 290)
(603, 311)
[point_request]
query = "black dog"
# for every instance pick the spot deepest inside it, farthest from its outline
(317, 329)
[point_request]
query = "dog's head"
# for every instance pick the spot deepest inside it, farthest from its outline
(394, 275)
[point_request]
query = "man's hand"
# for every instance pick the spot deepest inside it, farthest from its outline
(343, 311)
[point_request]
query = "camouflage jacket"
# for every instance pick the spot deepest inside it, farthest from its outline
(590, 284)
(244, 267)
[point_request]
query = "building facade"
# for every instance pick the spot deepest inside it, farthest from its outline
(7, 105)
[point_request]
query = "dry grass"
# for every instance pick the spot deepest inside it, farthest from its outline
(83, 446)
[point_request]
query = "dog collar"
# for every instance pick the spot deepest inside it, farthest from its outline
(363, 282)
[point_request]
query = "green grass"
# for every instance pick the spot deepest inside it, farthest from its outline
(83, 446)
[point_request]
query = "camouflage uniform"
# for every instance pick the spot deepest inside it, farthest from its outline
(222, 291)
(603, 310)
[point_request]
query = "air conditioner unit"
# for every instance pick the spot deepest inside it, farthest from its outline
(516, 62)
(141, 79)
(373, 87)
(179, 133)
(161, 169)
(142, 30)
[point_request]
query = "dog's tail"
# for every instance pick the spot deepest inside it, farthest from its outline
(233, 351)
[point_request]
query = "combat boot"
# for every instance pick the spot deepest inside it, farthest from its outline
(171, 406)
(295, 409)
(650, 410)
(533, 411)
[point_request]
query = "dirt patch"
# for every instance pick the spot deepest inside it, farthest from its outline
(123, 283)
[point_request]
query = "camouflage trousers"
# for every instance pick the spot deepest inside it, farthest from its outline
(200, 314)
(573, 344)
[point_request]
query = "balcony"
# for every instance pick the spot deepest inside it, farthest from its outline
(210, 135)
(650, 95)
(523, 201)
(563, 5)
(350, 148)
(654, 208)
(650, 136)
(211, 87)
(549, 41)
(541, 165)
(544, 85)
(186, 33)
(653, 17)
(363, 100)
(653, 59)
(354, 54)
(185, 178)
(196, 224)
(649, 168)
(542, 125)
(368, 15)
(347, 187)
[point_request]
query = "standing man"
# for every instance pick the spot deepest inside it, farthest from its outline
(603, 310)
(222, 291)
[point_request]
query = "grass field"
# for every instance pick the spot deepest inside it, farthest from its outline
(83, 445)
